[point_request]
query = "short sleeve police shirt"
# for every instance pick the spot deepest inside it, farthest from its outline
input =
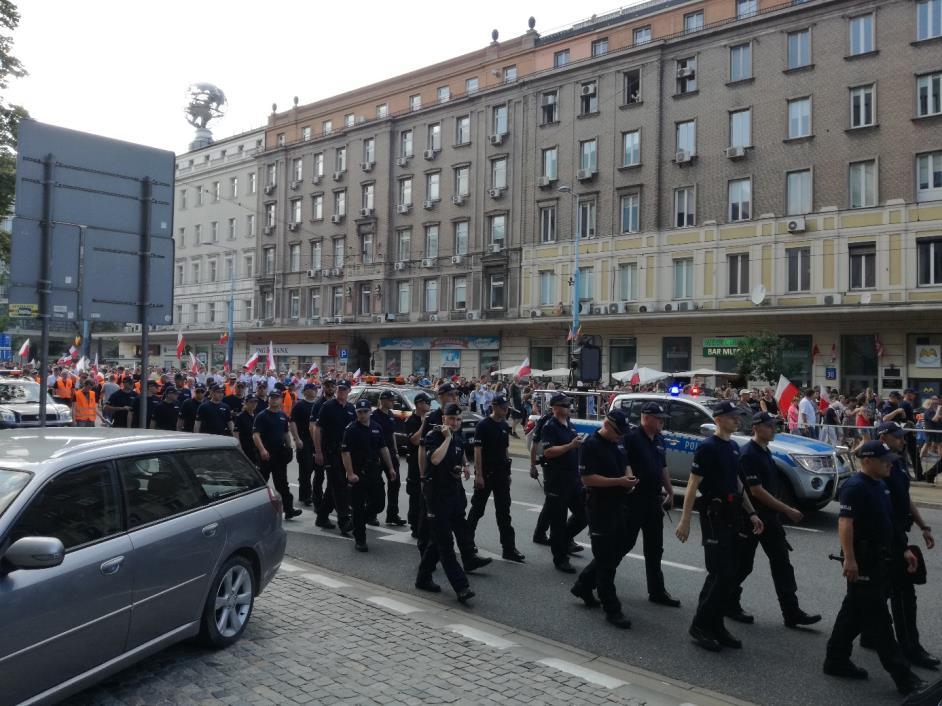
(271, 427)
(333, 420)
(166, 414)
(387, 424)
(188, 413)
(301, 416)
(898, 485)
(493, 438)
(867, 502)
(647, 458)
(363, 442)
(213, 418)
(717, 462)
(445, 476)
(556, 434)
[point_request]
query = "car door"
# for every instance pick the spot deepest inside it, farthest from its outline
(60, 622)
(682, 437)
(177, 541)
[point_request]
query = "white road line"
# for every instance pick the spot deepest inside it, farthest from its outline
(664, 562)
(481, 636)
(285, 566)
(324, 581)
(529, 506)
(400, 537)
(393, 604)
(584, 673)
(803, 529)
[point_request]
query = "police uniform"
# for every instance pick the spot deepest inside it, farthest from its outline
(272, 428)
(413, 479)
(214, 418)
(152, 402)
(244, 424)
(333, 419)
(364, 442)
(301, 418)
(387, 424)
(121, 398)
(188, 412)
(166, 414)
(324, 504)
(542, 520)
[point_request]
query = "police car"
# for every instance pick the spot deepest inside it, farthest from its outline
(813, 469)
(19, 406)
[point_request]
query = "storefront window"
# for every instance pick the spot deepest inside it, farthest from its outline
(924, 358)
(623, 354)
(858, 364)
(490, 361)
(796, 360)
(420, 362)
(675, 353)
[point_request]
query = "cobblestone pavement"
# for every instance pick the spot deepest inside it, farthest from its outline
(310, 643)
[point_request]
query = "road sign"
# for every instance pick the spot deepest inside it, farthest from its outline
(344, 354)
(6, 346)
(830, 373)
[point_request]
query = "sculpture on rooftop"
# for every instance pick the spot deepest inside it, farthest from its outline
(205, 102)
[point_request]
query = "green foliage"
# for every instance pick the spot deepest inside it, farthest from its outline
(760, 357)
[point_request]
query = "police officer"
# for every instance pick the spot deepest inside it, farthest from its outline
(866, 533)
(303, 441)
(273, 442)
(905, 513)
(563, 487)
(317, 485)
(189, 408)
(166, 412)
(261, 394)
(715, 473)
(536, 463)
(244, 424)
(492, 475)
(213, 416)
(651, 498)
(235, 396)
(445, 464)
(900, 409)
(414, 431)
(153, 399)
(334, 417)
(362, 451)
(762, 478)
(383, 416)
(604, 469)
(121, 405)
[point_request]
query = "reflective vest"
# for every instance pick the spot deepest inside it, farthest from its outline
(288, 401)
(85, 405)
(64, 388)
(230, 389)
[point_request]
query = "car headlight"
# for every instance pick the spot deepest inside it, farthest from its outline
(7, 416)
(815, 463)
(65, 415)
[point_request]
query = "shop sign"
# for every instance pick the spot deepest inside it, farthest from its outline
(294, 349)
(472, 343)
(451, 359)
(721, 347)
(929, 356)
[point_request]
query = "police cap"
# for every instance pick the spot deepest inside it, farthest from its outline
(725, 407)
(452, 410)
(618, 419)
(422, 397)
(500, 400)
(387, 395)
(446, 388)
(876, 449)
(560, 400)
(363, 404)
(343, 385)
(763, 418)
(891, 428)
(653, 408)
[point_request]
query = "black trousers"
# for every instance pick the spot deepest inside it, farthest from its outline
(414, 491)
(497, 484)
(646, 516)
(367, 498)
(903, 605)
(276, 468)
(337, 489)
(305, 469)
(561, 500)
(392, 489)
(609, 546)
(864, 612)
(912, 448)
(445, 520)
(720, 551)
(776, 548)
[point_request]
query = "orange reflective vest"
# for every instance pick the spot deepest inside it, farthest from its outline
(64, 388)
(288, 401)
(230, 389)
(85, 405)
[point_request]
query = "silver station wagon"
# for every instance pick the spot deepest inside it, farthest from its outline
(115, 544)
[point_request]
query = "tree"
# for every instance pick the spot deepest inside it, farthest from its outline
(760, 357)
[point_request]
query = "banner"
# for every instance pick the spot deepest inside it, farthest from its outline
(471, 343)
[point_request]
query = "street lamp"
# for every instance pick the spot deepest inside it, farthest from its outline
(574, 326)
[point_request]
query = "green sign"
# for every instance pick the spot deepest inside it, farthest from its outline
(721, 347)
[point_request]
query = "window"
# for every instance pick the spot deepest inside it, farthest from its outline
(248, 263)
(434, 141)
(499, 119)
(319, 164)
(382, 110)
(339, 248)
(297, 169)
(402, 298)
(432, 186)
(589, 98)
(340, 159)
(253, 183)
(443, 93)
(740, 62)
(315, 310)
(461, 238)
(317, 207)
(863, 266)
(327, 127)
(799, 49)
(746, 8)
(306, 133)
(221, 473)
(586, 283)
(799, 269)
(799, 118)
(738, 266)
(628, 281)
(630, 213)
(471, 85)
(199, 195)
(366, 298)
(459, 295)
(294, 257)
(271, 175)
(198, 230)
(740, 200)
(366, 195)
(683, 278)
(684, 207)
(740, 128)
(549, 109)
(405, 143)
(295, 211)
(431, 241)
(798, 192)
(250, 225)
(499, 173)
(232, 229)
(178, 278)
(462, 181)
(234, 187)
(497, 228)
(549, 162)
(929, 95)
(403, 244)
(588, 156)
(548, 224)
(268, 304)
(213, 268)
(316, 255)
(585, 218)
(496, 292)
(463, 130)
(369, 150)
(687, 137)
(194, 313)
(561, 58)
(248, 309)
(687, 75)
(510, 73)
(217, 191)
(181, 237)
(294, 304)
(687, 419)
(600, 46)
(863, 184)
(415, 102)
(693, 21)
(336, 300)
(405, 191)
(431, 295)
(929, 261)
(214, 232)
(632, 86)
(928, 19)
(269, 261)
(631, 148)
(862, 113)
(641, 35)
(861, 34)
(340, 202)
(182, 198)
(929, 177)
(547, 287)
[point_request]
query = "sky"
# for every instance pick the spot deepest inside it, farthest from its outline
(120, 68)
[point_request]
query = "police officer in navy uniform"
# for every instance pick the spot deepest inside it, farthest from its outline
(363, 451)
(537, 462)
(334, 417)
(383, 416)
(213, 416)
(905, 513)
(272, 439)
(153, 399)
(447, 394)
(189, 408)
(414, 430)
(303, 442)
(244, 424)
(866, 532)
(166, 413)
(317, 484)
(492, 475)
(609, 481)
(764, 482)
(715, 473)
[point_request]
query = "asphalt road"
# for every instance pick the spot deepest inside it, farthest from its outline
(777, 666)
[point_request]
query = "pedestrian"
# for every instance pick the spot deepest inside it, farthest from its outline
(865, 527)
(300, 423)
(166, 413)
(792, 417)
(383, 416)
(414, 430)
(121, 405)
(213, 416)
(334, 417)
(318, 496)
(492, 475)
(84, 405)
(190, 407)
(244, 424)
(763, 481)
(715, 473)
(272, 440)
(808, 414)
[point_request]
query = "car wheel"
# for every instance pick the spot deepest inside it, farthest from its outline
(229, 604)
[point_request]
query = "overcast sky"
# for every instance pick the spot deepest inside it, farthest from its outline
(120, 68)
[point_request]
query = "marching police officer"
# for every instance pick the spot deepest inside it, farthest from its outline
(317, 485)
(189, 408)
(383, 416)
(334, 417)
(303, 441)
(905, 513)
(492, 475)
(866, 532)
(121, 404)
(273, 442)
(536, 462)
(166, 413)
(414, 430)
(715, 473)
(609, 481)
(244, 423)
(213, 416)
(763, 481)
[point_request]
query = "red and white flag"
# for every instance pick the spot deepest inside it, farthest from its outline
(833, 352)
(271, 356)
(73, 352)
(251, 362)
(815, 352)
(524, 370)
(313, 370)
(181, 345)
(24, 350)
(95, 365)
(785, 392)
(634, 377)
(194, 364)
(356, 375)
(825, 400)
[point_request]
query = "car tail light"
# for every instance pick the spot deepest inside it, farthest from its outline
(529, 426)
(275, 500)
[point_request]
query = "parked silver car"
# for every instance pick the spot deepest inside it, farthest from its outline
(19, 406)
(115, 544)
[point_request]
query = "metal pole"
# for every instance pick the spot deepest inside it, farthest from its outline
(44, 285)
(86, 344)
(230, 339)
(144, 294)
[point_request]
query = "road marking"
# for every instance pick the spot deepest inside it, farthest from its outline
(803, 529)
(664, 562)
(584, 673)
(529, 506)
(285, 566)
(324, 581)
(393, 604)
(401, 537)
(481, 636)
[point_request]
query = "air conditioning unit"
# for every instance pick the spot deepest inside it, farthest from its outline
(683, 157)
(668, 307)
(613, 308)
(338, 319)
(496, 247)
(457, 200)
(686, 306)
(268, 230)
(403, 161)
(390, 317)
(643, 309)
(496, 139)
(366, 212)
(588, 89)
(433, 317)
(457, 259)
(543, 181)
(404, 208)
(270, 189)
(326, 320)
(338, 175)
(585, 309)
(430, 154)
(833, 299)
(597, 310)
(295, 184)
(428, 262)
(623, 308)
(686, 72)
(337, 272)
(336, 218)
(473, 315)
(428, 205)
(316, 179)
(360, 119)
(367, 166)
(293, 226)
(495, 193)
(377, 318)
(737, 152)
(400, 266)
(584, 174)
(536, 313)
(313, 273)
(796, 225)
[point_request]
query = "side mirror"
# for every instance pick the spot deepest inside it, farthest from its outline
(35, 553)
(707, 429)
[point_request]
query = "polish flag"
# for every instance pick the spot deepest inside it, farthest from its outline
(95, 365)
(785, 392)
(356, 375)
(634, 377)
(82, 365)
(313, 370)
(878, 345)
(24, 350)
(73, 352)
(181, 344)
(524, 370)
(825, 400)
(271, 356)
(251, 362)
(194, 364)
(833, 352)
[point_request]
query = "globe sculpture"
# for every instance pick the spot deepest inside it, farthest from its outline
(205, 102)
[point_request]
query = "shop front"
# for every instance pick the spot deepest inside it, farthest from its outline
(924, 363)
(300, 356)
(442, 356)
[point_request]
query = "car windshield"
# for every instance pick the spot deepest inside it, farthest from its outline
(410, 395)
(18, 392)
(11, 483)
(743, 416)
